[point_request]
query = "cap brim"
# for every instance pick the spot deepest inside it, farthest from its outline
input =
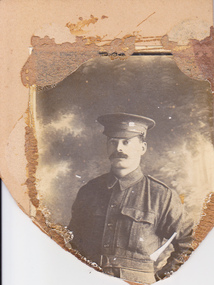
(111, 119)
(122, 134)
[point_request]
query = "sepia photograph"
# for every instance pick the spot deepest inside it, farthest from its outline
(125, 162)
(107, 142)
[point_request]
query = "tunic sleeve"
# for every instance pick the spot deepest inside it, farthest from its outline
(77, 222)
(175, 219)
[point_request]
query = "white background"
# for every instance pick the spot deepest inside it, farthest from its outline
(31, 258)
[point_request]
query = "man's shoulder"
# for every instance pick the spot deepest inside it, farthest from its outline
(98, 179)
(92, 188)
(157, 182)
(95, 183)
(158, 187)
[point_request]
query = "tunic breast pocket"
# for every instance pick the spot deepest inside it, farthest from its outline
(142, 237)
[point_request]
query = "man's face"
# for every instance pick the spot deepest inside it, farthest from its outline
(125, 154)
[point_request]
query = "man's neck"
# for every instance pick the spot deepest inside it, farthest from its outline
(126, 181)
(120, 173)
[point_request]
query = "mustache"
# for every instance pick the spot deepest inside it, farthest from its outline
(118, 154)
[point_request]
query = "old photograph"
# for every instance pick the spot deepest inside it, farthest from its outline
(125, 162)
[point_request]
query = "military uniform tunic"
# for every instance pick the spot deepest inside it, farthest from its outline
(119, 223)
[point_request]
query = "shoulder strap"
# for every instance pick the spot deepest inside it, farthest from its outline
(158, 181)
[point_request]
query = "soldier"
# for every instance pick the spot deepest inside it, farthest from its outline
(119, 219)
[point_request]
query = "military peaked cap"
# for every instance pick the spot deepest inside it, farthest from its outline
(123, 125)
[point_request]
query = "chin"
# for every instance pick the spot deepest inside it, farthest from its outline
(118, 165)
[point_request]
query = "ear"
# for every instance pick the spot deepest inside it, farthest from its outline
(144, 147)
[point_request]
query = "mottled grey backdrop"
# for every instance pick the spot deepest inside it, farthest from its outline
(72, 149)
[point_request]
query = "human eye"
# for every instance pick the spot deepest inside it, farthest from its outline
(112, 142)
(125, 142)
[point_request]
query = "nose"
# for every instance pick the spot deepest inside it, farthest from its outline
(119, 146)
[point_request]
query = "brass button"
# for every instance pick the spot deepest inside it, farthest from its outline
(110, 226)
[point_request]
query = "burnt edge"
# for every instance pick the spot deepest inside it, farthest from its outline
(195, 60)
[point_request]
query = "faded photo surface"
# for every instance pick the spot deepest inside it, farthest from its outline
(73, 150)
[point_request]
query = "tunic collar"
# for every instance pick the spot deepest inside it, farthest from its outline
(126, 181)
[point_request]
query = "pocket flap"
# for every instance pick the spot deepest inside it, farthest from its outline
(139, 216)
